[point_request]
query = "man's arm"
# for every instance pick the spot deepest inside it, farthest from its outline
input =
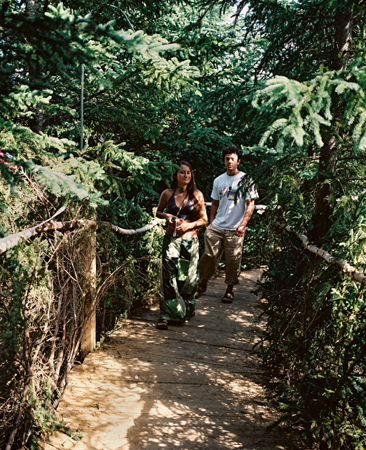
(248, 214)
(214, 207)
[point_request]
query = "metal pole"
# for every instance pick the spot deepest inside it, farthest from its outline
(82, 109)
(129, 23)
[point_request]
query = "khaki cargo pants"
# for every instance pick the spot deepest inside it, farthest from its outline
(217, 240)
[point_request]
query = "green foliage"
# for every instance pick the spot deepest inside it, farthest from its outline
(24, 301)
(316, 336)
(138, 282)
(64, 186)
(185, 85)
(286, 116)
(116, 177)
(306, 108)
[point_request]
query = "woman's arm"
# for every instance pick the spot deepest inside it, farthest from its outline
(160, 214)
(202, 217)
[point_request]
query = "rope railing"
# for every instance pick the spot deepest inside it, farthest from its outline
(48, 225)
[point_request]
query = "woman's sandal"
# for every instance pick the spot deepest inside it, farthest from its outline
(162, 324)
(200, 290)
(228, 297)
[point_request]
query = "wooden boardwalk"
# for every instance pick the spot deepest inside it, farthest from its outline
(196, 386)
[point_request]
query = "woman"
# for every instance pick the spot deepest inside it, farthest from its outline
(185, 213)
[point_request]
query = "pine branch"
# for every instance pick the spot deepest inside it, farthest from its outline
(97, 94)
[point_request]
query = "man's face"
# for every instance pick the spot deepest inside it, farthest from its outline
(231, 162)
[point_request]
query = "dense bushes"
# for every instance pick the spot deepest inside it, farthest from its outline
(45, 285)
(316, 341)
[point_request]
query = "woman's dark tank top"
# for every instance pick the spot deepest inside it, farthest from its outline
(185, 213)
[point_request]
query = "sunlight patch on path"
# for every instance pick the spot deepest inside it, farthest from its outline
(197, 386)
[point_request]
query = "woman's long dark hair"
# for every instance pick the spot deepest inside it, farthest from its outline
(191, 188)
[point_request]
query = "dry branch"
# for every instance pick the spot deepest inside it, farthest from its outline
(55, 317)
(14, 239)
(344, 265)
(50, 225)
(18, 419)
(70, 225)
(130, 232)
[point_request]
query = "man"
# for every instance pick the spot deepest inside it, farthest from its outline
(230, 214)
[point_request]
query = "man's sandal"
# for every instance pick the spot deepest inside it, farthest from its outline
(228, 297)
(162, 324)
(200, 290)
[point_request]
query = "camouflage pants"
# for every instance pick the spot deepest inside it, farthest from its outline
(180, 278)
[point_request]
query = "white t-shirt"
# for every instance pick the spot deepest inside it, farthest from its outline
(230, 214)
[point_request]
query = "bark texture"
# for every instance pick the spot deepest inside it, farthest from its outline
(328, 153)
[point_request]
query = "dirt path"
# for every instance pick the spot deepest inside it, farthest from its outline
(196, 386)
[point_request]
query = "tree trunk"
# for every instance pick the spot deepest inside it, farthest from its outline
(343, 36)
(31, 8)
(323, 209)
(328, 153)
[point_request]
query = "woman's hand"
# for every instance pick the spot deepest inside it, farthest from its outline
(171, 220)
(183, 227)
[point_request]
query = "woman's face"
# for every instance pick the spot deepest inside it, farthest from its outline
(184, 176)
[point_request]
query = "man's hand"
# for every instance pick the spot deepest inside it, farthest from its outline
(240, 231)
(248, 214)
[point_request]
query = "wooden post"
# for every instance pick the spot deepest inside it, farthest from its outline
(88, 338)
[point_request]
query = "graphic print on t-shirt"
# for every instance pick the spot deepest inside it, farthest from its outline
(230, 193)
(223, 191)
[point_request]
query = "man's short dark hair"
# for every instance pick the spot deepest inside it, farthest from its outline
(232, 149)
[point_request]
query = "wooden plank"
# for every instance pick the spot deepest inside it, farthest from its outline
(88, 338)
